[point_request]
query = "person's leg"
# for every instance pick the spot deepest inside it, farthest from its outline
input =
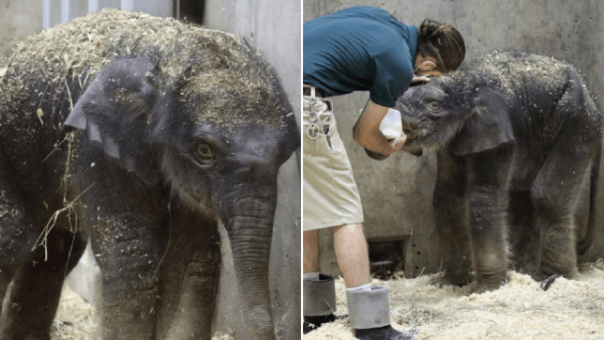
(351, 252)
(369, 307)
(319, 289)
(310, 251)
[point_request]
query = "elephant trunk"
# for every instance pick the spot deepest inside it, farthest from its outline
(249, 225)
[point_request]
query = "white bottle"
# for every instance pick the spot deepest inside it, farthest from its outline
(392, 126)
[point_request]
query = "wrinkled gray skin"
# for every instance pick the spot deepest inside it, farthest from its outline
(149, 184)
(515, 135)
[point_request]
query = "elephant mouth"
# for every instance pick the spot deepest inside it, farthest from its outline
(416, 141)
(415, 150)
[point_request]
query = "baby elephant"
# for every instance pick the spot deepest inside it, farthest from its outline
(515, 135)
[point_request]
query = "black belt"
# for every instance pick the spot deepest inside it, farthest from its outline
(318, 92)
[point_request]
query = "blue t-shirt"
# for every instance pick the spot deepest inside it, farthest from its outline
(360, 49)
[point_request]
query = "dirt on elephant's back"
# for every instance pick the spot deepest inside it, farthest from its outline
(570, 309)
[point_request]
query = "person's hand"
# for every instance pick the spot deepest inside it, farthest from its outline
(396, 144)
(420, 79)
(399, 142)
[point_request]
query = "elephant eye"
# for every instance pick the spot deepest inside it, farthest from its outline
(434, 105)
(204, 152)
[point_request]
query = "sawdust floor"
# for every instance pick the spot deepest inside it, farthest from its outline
(570, 309)
(76, 319)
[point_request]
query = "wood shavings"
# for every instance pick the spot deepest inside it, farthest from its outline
(569, 310)
(75, 319)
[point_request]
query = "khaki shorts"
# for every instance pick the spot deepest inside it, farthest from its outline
(331, 197)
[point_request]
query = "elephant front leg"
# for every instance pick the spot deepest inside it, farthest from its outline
(192, 311)
(129, 252)
(189, 274)
(524, 235)
(451, 220)
(36, 287)
(486, 199)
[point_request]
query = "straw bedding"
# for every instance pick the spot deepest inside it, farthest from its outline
(570, 309)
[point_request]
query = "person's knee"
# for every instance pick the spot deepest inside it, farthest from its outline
(350, 228)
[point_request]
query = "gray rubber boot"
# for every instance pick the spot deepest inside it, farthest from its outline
(370, 315)
(319, 296)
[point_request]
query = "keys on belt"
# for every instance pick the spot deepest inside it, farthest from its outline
(313, 127)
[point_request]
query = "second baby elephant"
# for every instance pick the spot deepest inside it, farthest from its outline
(515, 135)
(141, 134)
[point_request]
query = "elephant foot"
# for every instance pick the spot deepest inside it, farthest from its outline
(454, 279)
(524, 266)
(545, 273)
(487, 285)
(482, 287)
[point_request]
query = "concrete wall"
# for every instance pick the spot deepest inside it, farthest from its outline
(273, 27)
(18, 19)
(396, 193)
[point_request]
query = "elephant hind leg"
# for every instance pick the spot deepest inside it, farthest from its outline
(36, 289)
(554, 195)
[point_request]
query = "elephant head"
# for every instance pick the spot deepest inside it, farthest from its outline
(215, 133)
(445, 113)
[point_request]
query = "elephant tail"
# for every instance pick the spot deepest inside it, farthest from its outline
(585, 243)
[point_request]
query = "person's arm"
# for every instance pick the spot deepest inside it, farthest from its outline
(366, 131)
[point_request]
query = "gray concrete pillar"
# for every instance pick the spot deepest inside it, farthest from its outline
(51, 13)
(71, 9)
(160, 8)
(96, 5)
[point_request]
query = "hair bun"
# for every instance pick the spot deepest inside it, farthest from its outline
(443, 28)
(443, 43)
(429, 28)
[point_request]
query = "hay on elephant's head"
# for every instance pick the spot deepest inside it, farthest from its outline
(195, 60)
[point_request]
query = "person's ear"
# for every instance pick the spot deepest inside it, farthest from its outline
(427, 65)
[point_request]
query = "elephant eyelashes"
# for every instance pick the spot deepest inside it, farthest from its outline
(204, 152)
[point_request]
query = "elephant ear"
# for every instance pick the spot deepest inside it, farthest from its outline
(487, 127)
(114, 112)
